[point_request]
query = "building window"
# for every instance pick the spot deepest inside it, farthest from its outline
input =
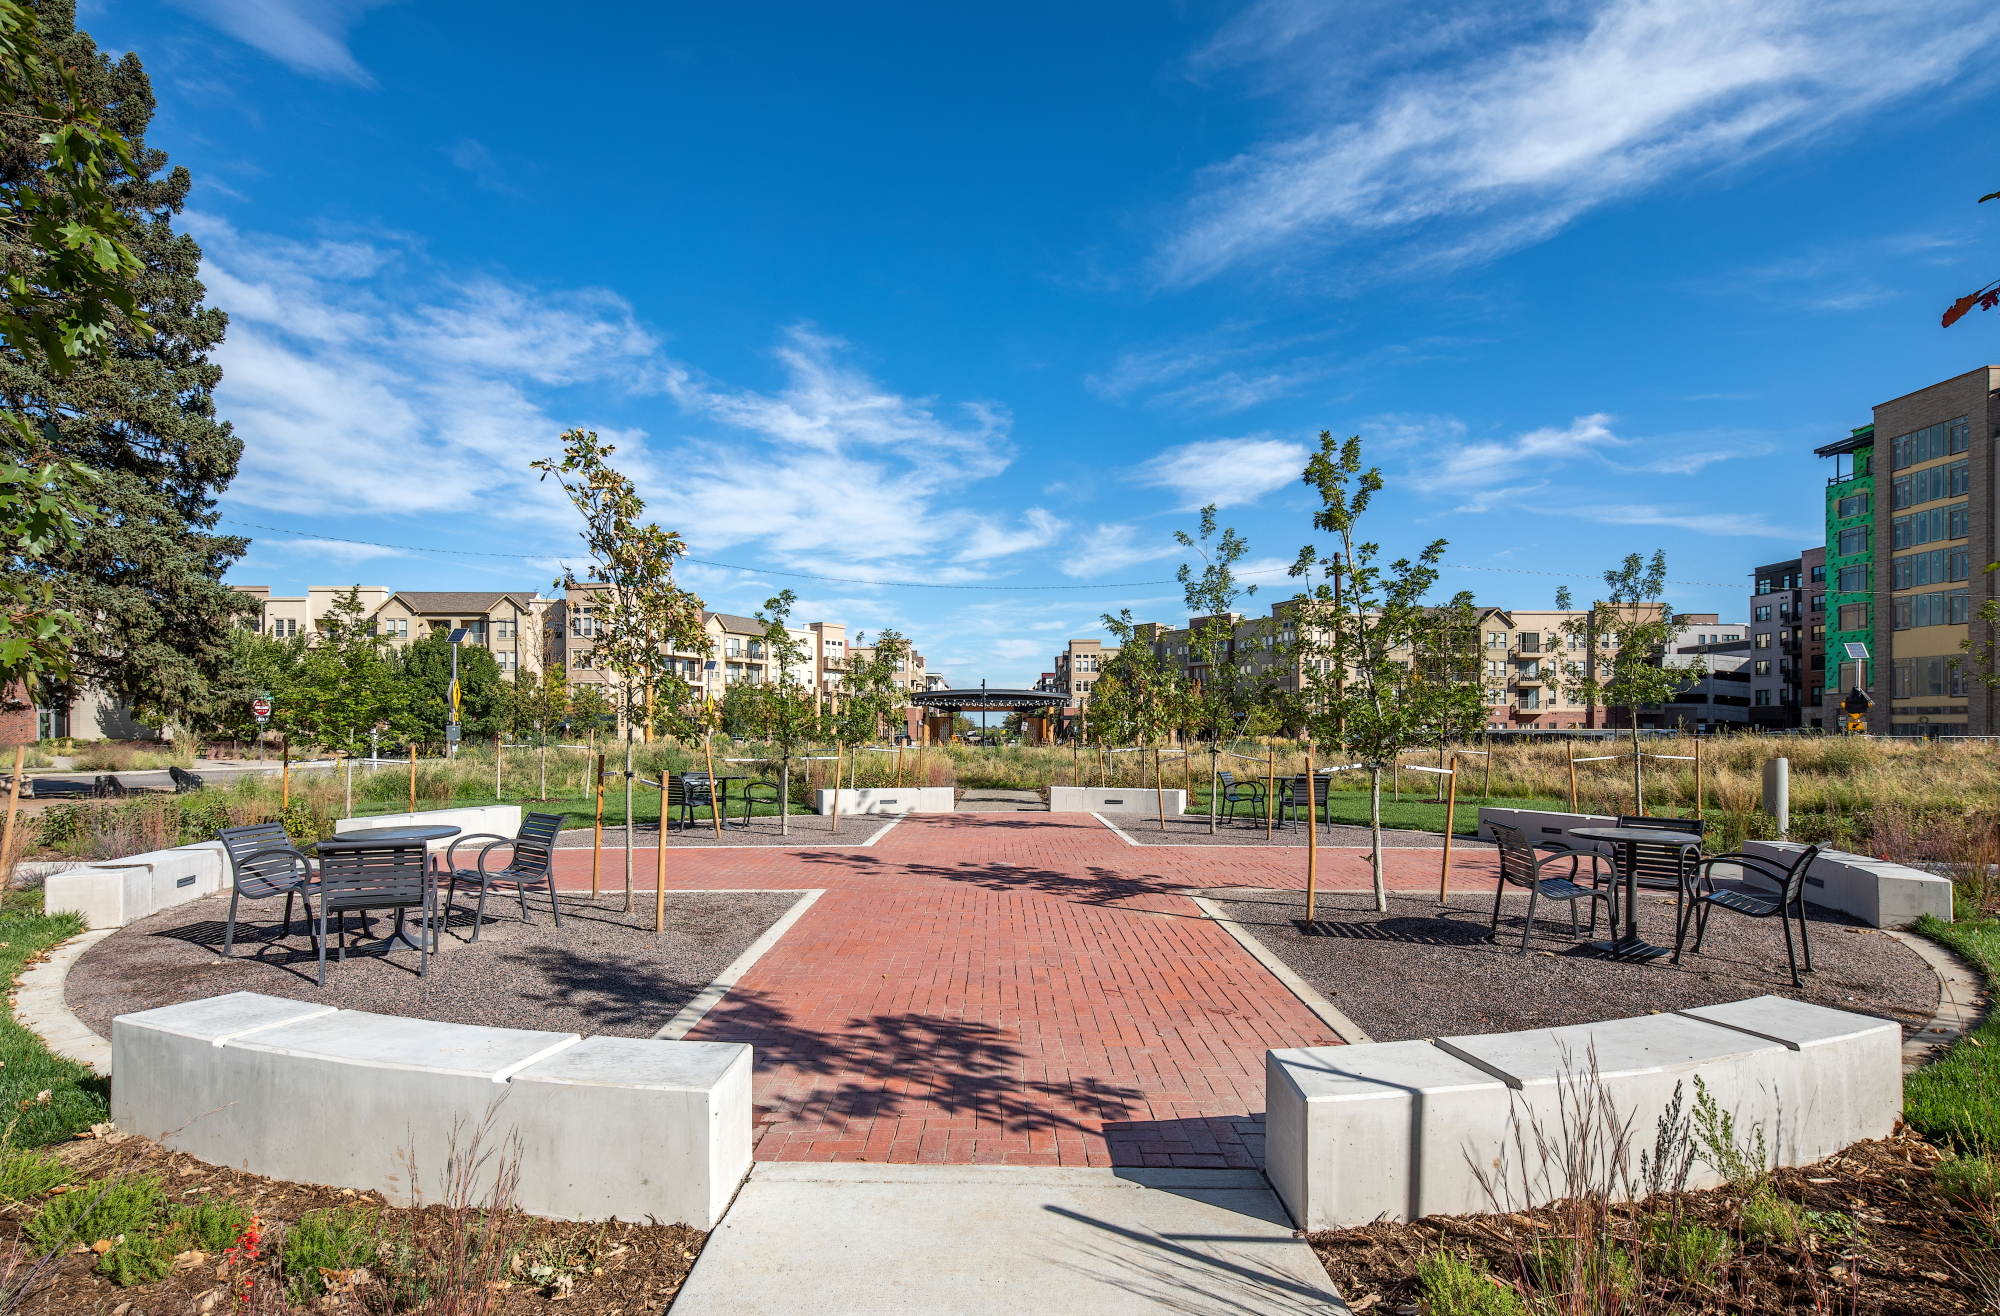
(1929, 526)
(507, 659)
(580, 659)
(1958, 521)
(1933, 441)
(1763, 585)
(583, 623)
(756, 648)
(1819, 603)
(1763, 699)
(506, 630)
(1819, 574)
(1819, 634)
(1854, 616)
(1761, 640)
(1852, 505)
(1852, 541)
(1762, 612)
(1853, 580)
(1531, 642)
(1763, 667)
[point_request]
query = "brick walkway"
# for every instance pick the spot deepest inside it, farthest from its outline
(1013, 989)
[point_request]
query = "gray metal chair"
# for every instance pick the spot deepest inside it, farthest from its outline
(1521, 865)
(687, 791)
(264, 863)
(1295, 793)
(531, 867)
(1234, 793)
(361, 877)
(1787, 901)
(761, 792)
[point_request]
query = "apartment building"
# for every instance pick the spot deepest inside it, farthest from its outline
(512, 625)
(1849, 610)
(1720, 697)
(282, 617)
(1778, 621)
(910, 673)
(1077, 668)
(1938, 527)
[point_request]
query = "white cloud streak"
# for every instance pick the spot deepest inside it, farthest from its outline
(1454, 160)
(1225, 472)
(309, 36)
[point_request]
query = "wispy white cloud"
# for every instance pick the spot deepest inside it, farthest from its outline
(1479, 466)
(1225, 472)
(1115, 546)
(1561, 109)
(338, 549)
(474, 158)
(307, 35)
(1733, 523)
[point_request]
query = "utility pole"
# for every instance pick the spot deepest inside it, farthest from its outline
(451, 726)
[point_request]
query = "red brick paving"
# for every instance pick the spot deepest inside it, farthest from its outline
(1013, 989)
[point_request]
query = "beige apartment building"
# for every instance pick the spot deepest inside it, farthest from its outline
(512, 624)
(1936, 528)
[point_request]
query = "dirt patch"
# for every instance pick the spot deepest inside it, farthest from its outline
(604, 971)
(1426, 970)
(608, 1269)
(1876, 1239)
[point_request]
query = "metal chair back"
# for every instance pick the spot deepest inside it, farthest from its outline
(391, 875)
(1694, 826)
(1296, 788)
(261, 860)
(535, 845)
(699, 786)
(1517, 856)
(1658, 867)
(1794, 889)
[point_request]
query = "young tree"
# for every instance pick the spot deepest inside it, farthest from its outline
(116, 378)
(642, 616)
(425, 669)
(1623, 640)
(541, 705)
(1384, 672)
(1223, 697)
(590, 709)
(788, 712)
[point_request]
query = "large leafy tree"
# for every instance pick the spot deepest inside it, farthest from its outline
(426, 676)
(1384, 671)
(329, 689)
(143, 578)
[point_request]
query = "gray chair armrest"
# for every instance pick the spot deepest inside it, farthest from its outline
(451, 852)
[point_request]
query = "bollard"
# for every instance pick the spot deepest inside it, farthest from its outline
(1778, 794)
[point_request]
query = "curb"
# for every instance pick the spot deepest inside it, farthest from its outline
(41, 1009)
(1962, 1001)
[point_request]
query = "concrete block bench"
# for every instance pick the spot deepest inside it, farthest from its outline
(610, 1126)
(1395, 1129)
(1114, 799)
(888, 799)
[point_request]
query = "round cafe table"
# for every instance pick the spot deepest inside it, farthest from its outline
(409, 834)
(1631, 946)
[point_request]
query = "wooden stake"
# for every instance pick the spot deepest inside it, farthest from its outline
(13, 803)
(1486, 791)
(660, 855)
(1160, 788)
(497, 741)
(715, 805)
(413, 776)
(836, 787)
(1450, 812)
(285, 780)
(597, 832)
(1697, 776)
(1312, 840)
(1271, 790)
(1572, 779)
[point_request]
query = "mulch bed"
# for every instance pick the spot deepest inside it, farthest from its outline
(1425, 970)
(621, 1269)
(605, 971)
(1890, 1245)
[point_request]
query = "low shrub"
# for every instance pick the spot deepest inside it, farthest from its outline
(1769, 1218)
(1970, 1181)
(25, 1174)
(1456, 1287)
(208, 1225)
(1691, 1252)
(122, 1204)
(326, 1242)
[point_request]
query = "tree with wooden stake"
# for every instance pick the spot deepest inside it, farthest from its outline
(638, 613)
(1138, 699)
(1383, 671)
(1222, 690)
(1624, 640)
(786, 712)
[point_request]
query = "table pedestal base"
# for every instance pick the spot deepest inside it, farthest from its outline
(1630, 948)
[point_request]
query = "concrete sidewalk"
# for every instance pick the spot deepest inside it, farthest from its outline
(916, 1240)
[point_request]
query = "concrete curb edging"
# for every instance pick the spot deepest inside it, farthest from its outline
(42, 1008)
(1329, 1014)
(710, 996)
(1963, 1001)
(1116, 830)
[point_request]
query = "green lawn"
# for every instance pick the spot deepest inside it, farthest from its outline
(77, 1097)
(578, 810)
(1957, 1099)
(1409, 814)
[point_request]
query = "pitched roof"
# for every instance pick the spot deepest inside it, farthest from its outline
(460, 600)
(729, 621)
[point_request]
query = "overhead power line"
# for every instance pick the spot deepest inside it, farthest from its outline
(864, 580)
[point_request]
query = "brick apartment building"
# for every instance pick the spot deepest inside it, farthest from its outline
(1787, 633)
(1935, 450)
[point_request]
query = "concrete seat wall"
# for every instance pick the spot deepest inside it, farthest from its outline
(1114, 799)
(1879, 893)
(1406, 1129)
(888, 799)
(496, 819)
(297, 1091)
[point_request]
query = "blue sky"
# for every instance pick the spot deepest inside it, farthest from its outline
(999, 295)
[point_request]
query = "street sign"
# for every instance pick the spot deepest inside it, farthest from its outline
(261, 709)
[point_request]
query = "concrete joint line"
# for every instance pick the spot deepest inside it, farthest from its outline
(1328, 1013)
(1963, 1001)
(695, 1010)
(43, 1011)
(1116, 829)
(884, 830)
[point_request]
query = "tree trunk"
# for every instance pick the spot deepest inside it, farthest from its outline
(1214, 786)
(1375, 829)
(628, 821)
(785, 797)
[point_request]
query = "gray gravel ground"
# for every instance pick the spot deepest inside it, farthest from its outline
(807, 829)
(604, 972)
(1192, 829)
(1425, 970)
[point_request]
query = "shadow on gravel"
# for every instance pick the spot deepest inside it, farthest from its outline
(610, 994)
(1408, 931)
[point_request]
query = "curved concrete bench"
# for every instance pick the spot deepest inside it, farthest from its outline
(1395, 1129)
(611, 1126)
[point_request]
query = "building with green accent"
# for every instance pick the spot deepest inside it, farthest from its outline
(1850, 563)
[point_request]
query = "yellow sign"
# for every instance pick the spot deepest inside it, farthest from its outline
(454, 699)
(1857, 722)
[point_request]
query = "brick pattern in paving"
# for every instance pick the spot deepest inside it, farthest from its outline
(1013, 989)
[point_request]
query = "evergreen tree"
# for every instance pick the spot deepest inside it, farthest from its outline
(144, 578)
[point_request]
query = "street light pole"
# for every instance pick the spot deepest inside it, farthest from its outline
(451, 726)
